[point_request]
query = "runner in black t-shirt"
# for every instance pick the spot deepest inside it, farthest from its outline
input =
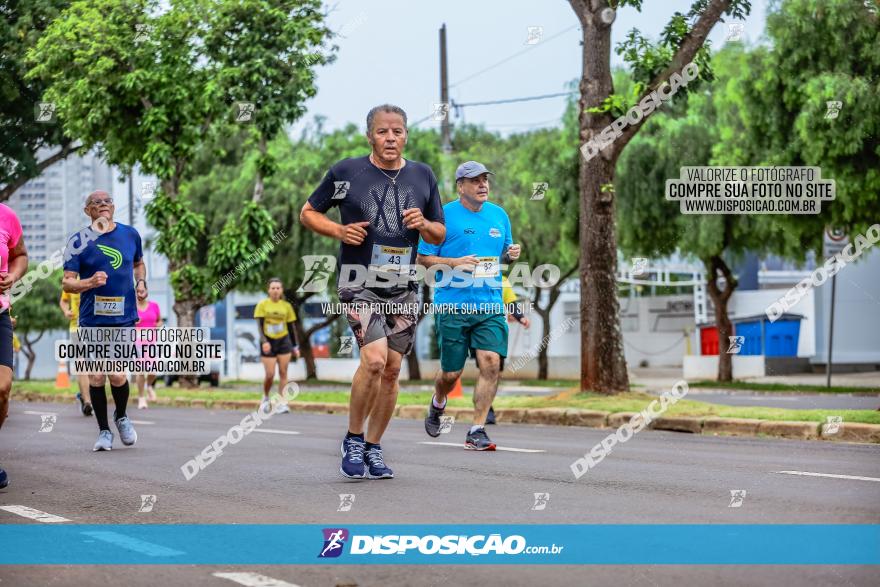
(386, 203)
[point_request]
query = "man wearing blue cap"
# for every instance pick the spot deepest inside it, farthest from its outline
(471, 320)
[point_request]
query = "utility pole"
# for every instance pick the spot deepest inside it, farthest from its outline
(131, 198)
(834, 240)
(830, 332)
(444, 92)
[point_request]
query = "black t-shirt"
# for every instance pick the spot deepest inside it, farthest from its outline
(363, 193)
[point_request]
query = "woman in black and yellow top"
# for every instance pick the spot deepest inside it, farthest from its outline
(275, 318)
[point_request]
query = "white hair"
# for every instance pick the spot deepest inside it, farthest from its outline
(88, 197)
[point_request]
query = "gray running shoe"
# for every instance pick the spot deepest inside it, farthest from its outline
(126, 430)
(432, 420)
(105, 441)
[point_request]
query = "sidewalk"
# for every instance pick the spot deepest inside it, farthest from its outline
(658, 378)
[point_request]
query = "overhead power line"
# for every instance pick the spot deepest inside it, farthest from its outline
(514, 56)
(511, 100)
(457, 106)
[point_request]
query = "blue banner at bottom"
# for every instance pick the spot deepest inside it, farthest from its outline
(248, 544)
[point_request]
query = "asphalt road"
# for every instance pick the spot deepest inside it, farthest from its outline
(277, 478)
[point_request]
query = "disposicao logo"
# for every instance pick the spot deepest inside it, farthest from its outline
(334, 540)
(450, 544)
(114, 254)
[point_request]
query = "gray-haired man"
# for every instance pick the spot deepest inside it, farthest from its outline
(386, 203)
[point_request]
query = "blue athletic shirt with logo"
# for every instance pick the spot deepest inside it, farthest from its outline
(114, 253)
(486, 235)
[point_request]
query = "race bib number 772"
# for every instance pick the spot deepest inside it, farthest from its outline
(109, 306)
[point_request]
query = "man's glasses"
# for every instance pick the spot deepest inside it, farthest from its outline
(108, 201)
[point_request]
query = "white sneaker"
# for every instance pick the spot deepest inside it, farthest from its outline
(142, 403)
(282, 408)
(266, 406)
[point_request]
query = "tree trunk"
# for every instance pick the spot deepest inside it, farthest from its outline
(714, 266)
(603, 366)
(305, 345)
(304, 336)
(30, 354)
(186, 301)
(185, 310)
(412, 363)
(27, 345)
(543, 363)
(552, 298)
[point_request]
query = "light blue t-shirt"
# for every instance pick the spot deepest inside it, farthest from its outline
(485, 235)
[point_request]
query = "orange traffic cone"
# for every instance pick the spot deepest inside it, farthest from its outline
(62, 380)
(456, 391)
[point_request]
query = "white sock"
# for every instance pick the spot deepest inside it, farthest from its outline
(475, 427)
(436, 405)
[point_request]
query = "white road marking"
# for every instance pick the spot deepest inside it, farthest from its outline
(808, 474)
(33, 514)
(142, 422)
(133, 544)
(461, 445)
(272, 431)
(33, 413)
(254, 580)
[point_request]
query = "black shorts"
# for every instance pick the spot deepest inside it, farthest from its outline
(5, 340)
(279, 346)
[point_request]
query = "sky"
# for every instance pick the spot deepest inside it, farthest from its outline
(389, 52)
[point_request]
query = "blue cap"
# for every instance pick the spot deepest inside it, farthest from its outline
(470, 169)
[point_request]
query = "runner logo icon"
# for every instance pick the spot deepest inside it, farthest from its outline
(342, 188)
(736, 344)
(114, 254)
(334, 540)
(319, 270)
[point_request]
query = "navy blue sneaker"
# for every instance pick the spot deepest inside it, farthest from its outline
(478, 440)
(4, 480)
(353, 458)
(376, 464)
(490, 417)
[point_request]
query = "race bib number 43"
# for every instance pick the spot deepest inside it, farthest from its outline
(389, 259)
(487, 267)
(109, 306)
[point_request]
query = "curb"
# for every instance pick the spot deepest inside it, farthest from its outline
(678, 424)
(733, 426)
(847, 432)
